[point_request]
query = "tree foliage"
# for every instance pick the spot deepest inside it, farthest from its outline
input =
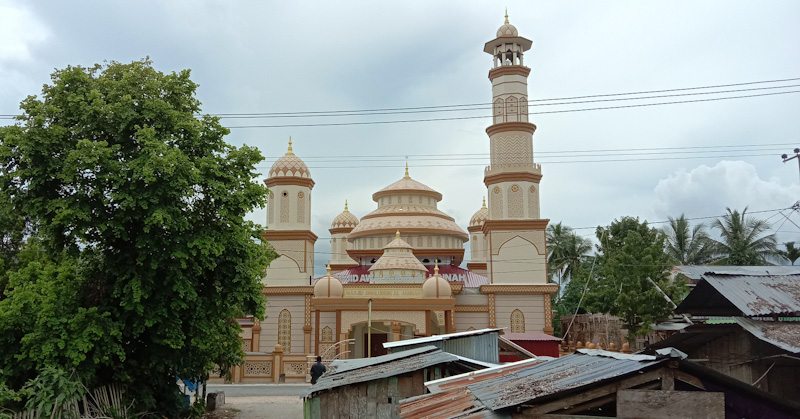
(744, 240)
(686, 244)
(629, 263)
(790, 252)
(565, 249)
(138, 256)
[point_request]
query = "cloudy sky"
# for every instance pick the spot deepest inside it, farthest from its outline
(272, 56)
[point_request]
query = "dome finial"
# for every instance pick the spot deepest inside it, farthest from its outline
(289, 149)
(397, 234)
(484, 202)
(406, 175)
(345, 205)
(436, 268)
(328, 268)
(506, 15)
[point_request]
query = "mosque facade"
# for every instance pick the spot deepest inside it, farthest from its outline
(396, 272)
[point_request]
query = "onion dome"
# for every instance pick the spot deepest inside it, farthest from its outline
(507, 29)
(345, 219)
(398, 256)
(436, 286)
(289, 165)
(480, 216)
(328, 287)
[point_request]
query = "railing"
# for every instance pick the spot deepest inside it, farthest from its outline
(333, 349)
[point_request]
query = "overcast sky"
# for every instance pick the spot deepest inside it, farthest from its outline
(274, 56)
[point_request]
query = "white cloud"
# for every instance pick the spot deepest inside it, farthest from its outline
(705, 190)
(19, 30)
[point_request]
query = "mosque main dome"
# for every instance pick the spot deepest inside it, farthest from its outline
(410, 207)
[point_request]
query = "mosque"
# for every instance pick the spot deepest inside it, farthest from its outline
(398, 268)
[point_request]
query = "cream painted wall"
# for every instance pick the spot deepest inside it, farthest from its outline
(532, 306)
(518, 262)
(269, 326)
(475, 320)
(275, 206)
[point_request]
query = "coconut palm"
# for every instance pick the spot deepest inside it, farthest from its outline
(564, 250)
(688, 245)
(743, 240)
(791, 253)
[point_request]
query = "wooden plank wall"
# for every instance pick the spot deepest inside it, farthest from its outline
(660, 404)
(373, 399)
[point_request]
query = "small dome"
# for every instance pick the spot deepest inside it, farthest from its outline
(328, 287)
(480, 216)
(398, 255)
(507, 29)
(436, 286)
(345, 219)
(289, 165)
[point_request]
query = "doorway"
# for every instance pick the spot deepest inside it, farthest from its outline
(378, 339)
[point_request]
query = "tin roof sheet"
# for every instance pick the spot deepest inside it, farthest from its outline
(366, 369)
(783, 335)
(696, 272)
(531, 336)
(437, 338)
(751, 295)
(566, 373)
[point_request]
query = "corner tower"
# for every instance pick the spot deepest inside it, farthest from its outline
(515, 233)
(289, 221)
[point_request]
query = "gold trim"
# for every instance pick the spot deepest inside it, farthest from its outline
(472, 308)
(511, 70)
(289, 181)
(510, 126)
(477, 266)
(511, 177)
(288, 290)
(493, 289)
(278, 235)
(515, 225)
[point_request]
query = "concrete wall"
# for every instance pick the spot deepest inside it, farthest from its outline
(269, 326)
(532, 306)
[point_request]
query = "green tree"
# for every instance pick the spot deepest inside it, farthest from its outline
(629, 264)
(688, 245)
(743, 240)
(142, 257)
(790, 253)
(564, 251)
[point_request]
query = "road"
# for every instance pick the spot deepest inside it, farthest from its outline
(250, 390)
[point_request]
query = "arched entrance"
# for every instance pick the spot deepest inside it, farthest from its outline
(382, 331)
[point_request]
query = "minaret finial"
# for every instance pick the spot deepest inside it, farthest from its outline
(345, 205)
(506, 15)
(289, 149)
(406, 175)
(484, 202)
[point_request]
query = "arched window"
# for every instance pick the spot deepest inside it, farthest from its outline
(327, 334)
(496, 202)
(285, 330)
(284, 217)
(301, 207)
(517, 322)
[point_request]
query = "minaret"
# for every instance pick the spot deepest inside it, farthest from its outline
(515, 233)
(341, 226)
(289, 221)
(477, 240)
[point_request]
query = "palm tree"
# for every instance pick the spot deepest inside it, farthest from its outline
(791, 253)
(564, 250)
(743, 240)
(688, 245)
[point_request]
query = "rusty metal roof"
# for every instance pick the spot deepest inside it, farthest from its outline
(783, 335)
(485, 391)
(696, 272)
(744, 295)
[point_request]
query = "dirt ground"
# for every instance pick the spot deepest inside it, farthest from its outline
(259, 407)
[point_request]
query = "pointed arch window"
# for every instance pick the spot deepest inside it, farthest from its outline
(285, 330)
(517, 322)
(327, 334)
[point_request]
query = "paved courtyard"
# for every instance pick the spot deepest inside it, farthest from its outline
(257, 401)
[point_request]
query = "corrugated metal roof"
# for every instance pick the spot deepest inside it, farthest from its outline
(551, 377)
(783, 335)
(696, 272)
(436, 338)
(759, 295)
(367, 369)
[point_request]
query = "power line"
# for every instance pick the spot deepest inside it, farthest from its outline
(403, 121)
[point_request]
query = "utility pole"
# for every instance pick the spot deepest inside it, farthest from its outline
(796, 156)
